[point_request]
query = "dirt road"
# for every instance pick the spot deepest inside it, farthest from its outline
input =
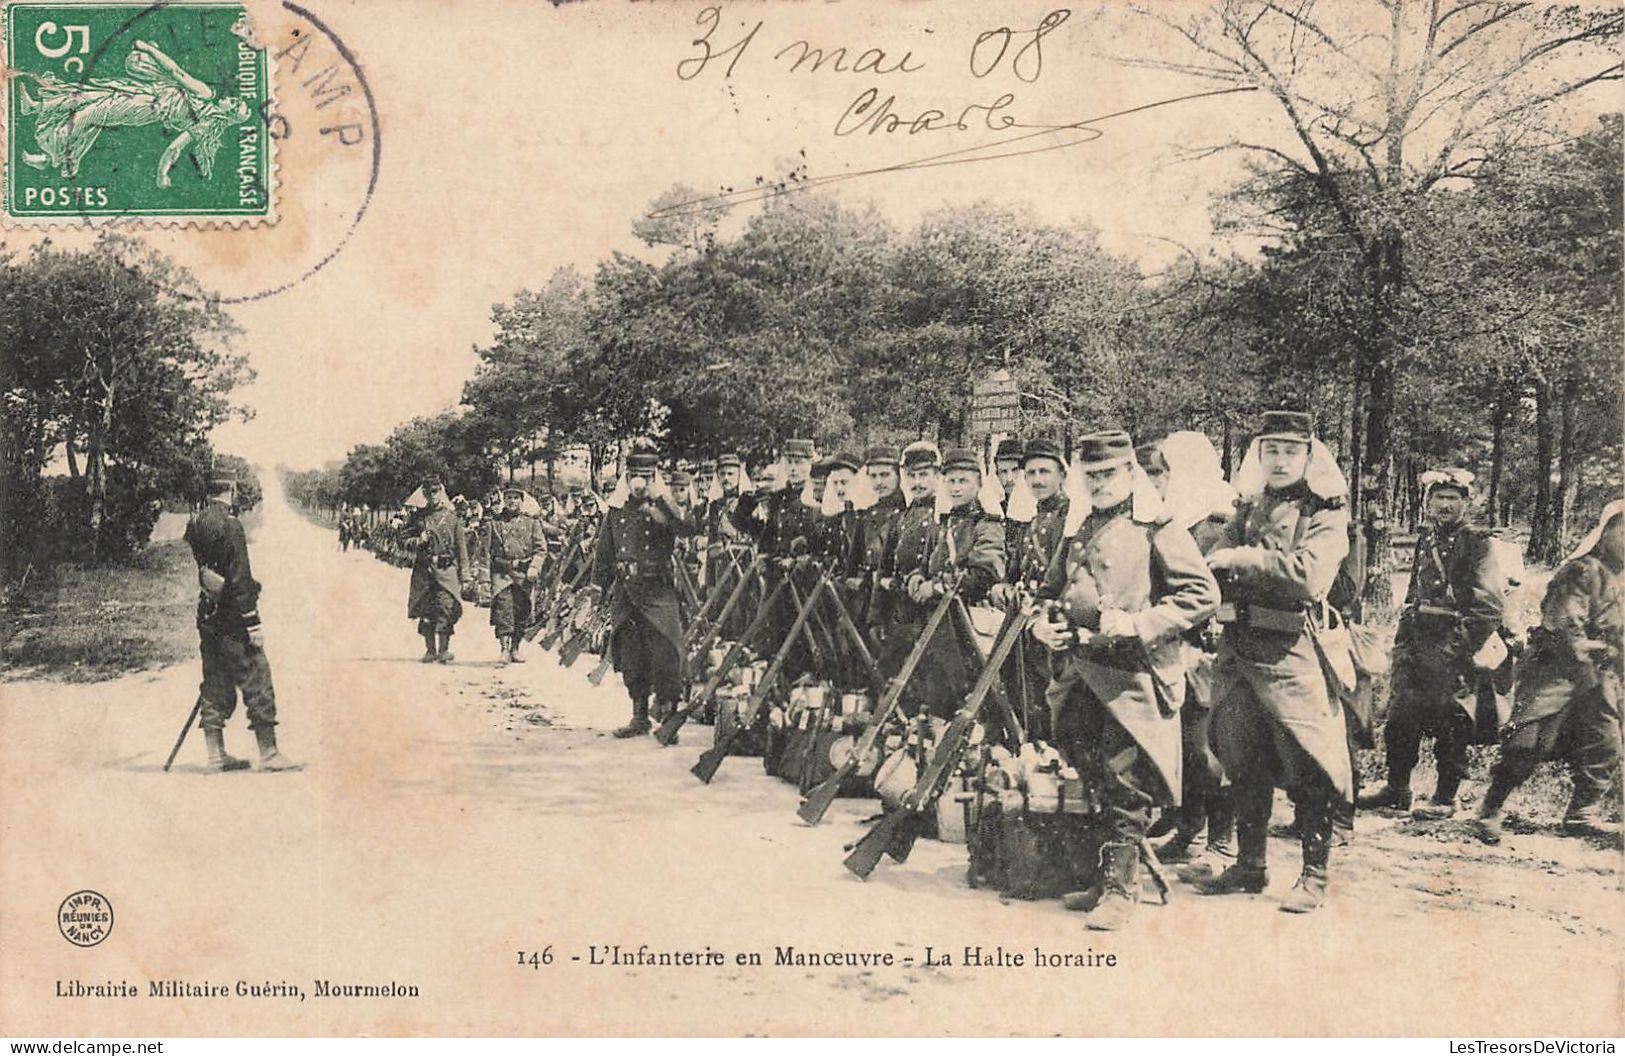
(452, 817)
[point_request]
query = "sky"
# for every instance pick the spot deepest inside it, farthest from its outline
(514, 137)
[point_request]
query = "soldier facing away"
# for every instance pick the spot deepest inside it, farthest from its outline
(1567, 703)
(229, 633)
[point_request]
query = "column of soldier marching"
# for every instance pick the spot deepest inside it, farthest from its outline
(1035, 660)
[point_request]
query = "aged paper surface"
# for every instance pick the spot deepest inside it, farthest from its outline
(465, 843)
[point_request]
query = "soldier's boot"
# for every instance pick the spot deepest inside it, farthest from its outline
(1487, 825)
(1249, 875)
(1120, 865)
(215, 740)
(1220, 852)
(1444, 802)
(430, 653)
(1309, 893)
(513, 650)
(1390, 797)
(1166, 822)
(443, 654)
(1587, 819)
(640, 724)
(270, 757)
(1188, 826)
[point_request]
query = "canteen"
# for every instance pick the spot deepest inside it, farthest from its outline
(895, 777)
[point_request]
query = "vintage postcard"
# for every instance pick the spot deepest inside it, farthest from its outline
(931, 518)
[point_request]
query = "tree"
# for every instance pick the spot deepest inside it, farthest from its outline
(1383, 103)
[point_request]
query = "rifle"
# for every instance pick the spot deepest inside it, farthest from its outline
(571, 651)
(191, 720)
(805, 767)
(555, 607)
(895, 833)
(572, 601)
(715, 592)
(817, 803)
(666, 734)
(706, 768)
(734, 597)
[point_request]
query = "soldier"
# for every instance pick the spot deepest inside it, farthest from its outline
(229, 633)
(1276, 723)
(632, 569)
(1198, 499)
(1453, 605)
(897, 623)
(515, 546)
(1038, 546)
(1135, 583)
(969, 545)
(440, 571)
(781, 525)
(1008, 462)
(1567, 704)
(881, 464)
(837, 524)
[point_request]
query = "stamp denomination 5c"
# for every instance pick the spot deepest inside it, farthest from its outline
(154, 112)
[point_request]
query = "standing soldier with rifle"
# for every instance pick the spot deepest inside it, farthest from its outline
(440, 571)
(1037, 546)
(894, 620)
(1452, 608)
(968, 547)
(881, 464)
(632, 569)
(1568, 694)
(1133, 583)
(1276, 722)
(515, 546)
(229, 634)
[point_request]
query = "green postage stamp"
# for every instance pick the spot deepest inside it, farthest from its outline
(156, 112)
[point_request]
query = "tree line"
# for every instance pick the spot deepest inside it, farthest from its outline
(115, 364)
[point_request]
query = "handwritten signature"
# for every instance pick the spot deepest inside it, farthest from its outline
(876, 116)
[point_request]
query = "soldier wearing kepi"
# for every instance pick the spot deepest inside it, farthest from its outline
(440, 571)
(632, 569)
(969, 545)
(1038, 545)
(881, 464)
(895, 623)
(515, 545)
(1568, 693)
(1451, 609)
(1276, 723)
(1134, 583)
(1009, 458)
(229, 633)
(781, 525)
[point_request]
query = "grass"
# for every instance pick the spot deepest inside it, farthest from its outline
(92, 624)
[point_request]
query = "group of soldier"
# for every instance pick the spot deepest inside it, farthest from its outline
(1175, 639)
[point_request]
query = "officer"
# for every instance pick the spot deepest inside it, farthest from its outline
(229, 633)
(440, 571)
(632, 568)
(515, 546)
(1038, 546)
(1453, 605)
(1134, 583)
(1568, 694)
(968, 547)
(1276, 723)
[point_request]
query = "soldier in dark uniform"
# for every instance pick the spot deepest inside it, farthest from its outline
(1568, 693)
(1008, 460)
(837, 524)
(1135, 584)
(1276, 723)
(440, 571)
(632, 570)
(780, 525)
(898, 621)
(968, 544)
(229, 633)
(1038, 545)
(515, 547)
(881, 463)
(1453, 605)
